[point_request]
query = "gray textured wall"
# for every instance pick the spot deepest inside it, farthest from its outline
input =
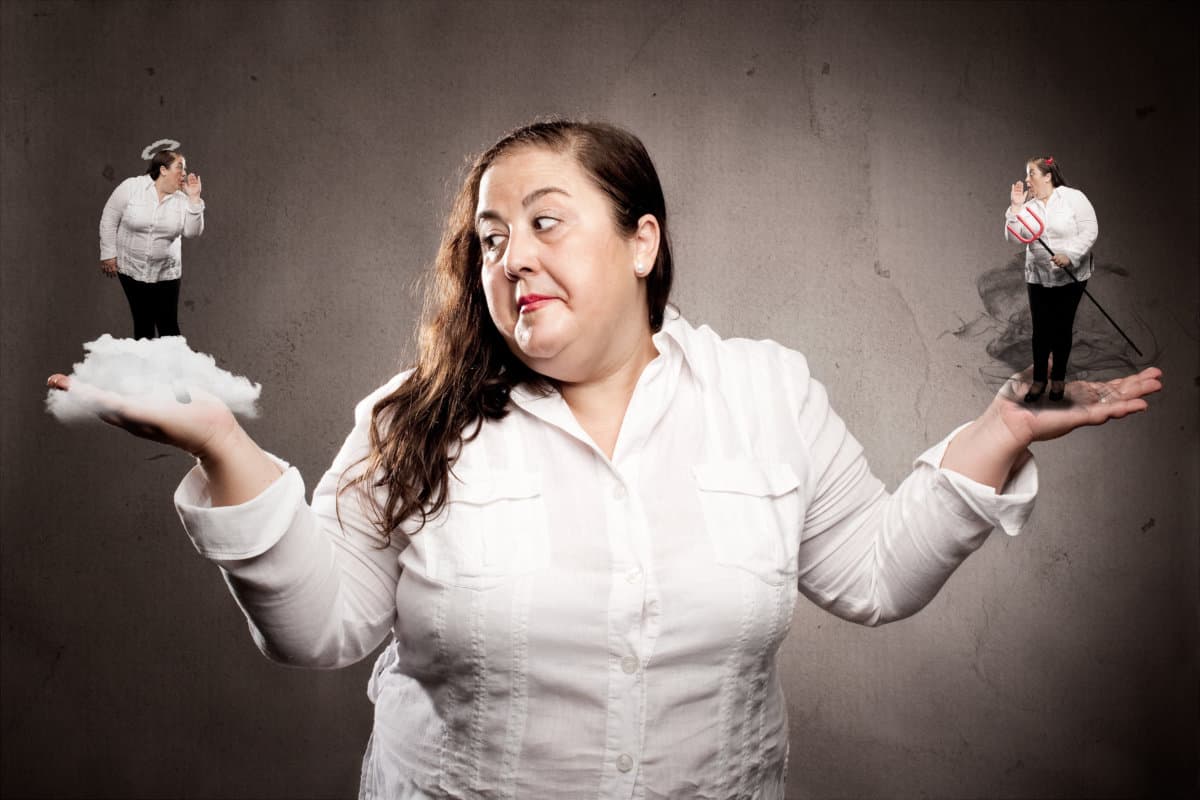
(838, 168)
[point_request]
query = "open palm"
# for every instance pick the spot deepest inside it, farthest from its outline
(193, 186)
(1084, 403)
(190, 419)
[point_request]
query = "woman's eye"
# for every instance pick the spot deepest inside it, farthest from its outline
(544, 223)
(492, 241)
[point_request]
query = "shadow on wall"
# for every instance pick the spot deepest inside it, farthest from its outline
(1098, 352)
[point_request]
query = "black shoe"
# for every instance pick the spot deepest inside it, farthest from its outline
(1057, 390)
(1035, 391)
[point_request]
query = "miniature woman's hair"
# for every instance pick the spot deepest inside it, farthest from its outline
(162, 159)
(1049, 165)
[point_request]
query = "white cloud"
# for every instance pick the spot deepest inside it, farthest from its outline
(151, 368)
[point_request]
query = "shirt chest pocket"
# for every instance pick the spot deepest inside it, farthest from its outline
(753, 513)
(493, 527)
(138, 215)
(1060, 225)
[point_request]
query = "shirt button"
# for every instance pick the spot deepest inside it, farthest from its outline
(618, 492)
(624, 763)
(629, 664)
(633, 576)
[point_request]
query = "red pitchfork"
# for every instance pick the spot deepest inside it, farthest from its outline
(1036, 236)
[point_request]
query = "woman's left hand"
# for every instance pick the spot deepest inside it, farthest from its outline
(1060, 261)
(1084, 403)
(993, 446)
(192, 187)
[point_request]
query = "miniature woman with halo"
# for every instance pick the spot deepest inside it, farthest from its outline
(140, 231)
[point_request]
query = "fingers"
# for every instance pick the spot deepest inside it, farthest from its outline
(80, 390)
(116, 410)
(1148, 381)
(1103, 412)
(1123, 396)
(1151, 372)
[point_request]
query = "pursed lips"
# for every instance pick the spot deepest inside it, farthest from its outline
(532, 302)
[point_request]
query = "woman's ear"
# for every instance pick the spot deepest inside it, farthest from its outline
(645, 245)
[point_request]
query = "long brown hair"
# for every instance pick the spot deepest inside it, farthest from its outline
(465, 370)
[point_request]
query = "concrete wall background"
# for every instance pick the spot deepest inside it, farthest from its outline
(839, 168)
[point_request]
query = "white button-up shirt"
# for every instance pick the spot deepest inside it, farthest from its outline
(142, 232)
(1071, 230)
(578, 627)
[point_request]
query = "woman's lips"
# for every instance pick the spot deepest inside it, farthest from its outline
(532, 302)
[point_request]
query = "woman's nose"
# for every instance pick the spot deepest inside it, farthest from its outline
(521, 254)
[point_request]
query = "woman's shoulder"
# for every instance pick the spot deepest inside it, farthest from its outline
(735, 360)
(129, 185)
(365, 407)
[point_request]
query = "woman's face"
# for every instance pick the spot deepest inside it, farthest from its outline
(174, 176)
(1038, 182)
(558, 275)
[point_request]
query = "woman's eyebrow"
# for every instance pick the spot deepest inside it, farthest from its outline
(529, 200)
(533, 196)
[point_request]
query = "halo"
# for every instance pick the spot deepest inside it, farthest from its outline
(158, 147)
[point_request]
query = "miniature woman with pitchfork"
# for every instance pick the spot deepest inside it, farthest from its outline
(1056, 272)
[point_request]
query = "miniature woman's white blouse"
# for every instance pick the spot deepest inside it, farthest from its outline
(143, 232)
(1069, 228)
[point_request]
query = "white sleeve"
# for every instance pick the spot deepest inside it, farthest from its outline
(873, 557)
(1087, 229)
(1013, 221)
(110, 220)
(193, 219)
(316, 592)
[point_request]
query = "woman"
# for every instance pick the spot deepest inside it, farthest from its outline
(583, 521)
(140, 233)
(1070, 231)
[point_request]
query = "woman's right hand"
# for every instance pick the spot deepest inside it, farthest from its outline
(108, 267)
(195, 421)
(191, 420)
(1018, 195)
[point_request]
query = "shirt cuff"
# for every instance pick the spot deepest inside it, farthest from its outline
(1008, 509)
(194, 209)
(242, 531)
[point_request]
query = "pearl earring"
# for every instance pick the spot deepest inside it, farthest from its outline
(638, 268)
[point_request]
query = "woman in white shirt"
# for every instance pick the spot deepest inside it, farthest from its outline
(1070, 231)
(583, 522)
(140, 232)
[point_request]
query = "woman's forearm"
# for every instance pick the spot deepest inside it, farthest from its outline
(193, 219)
(985, 451)
(237, 469)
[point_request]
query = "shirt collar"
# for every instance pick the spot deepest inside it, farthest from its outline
(526, 395)
(670, 341)
(1049, 197)
(149, 186)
